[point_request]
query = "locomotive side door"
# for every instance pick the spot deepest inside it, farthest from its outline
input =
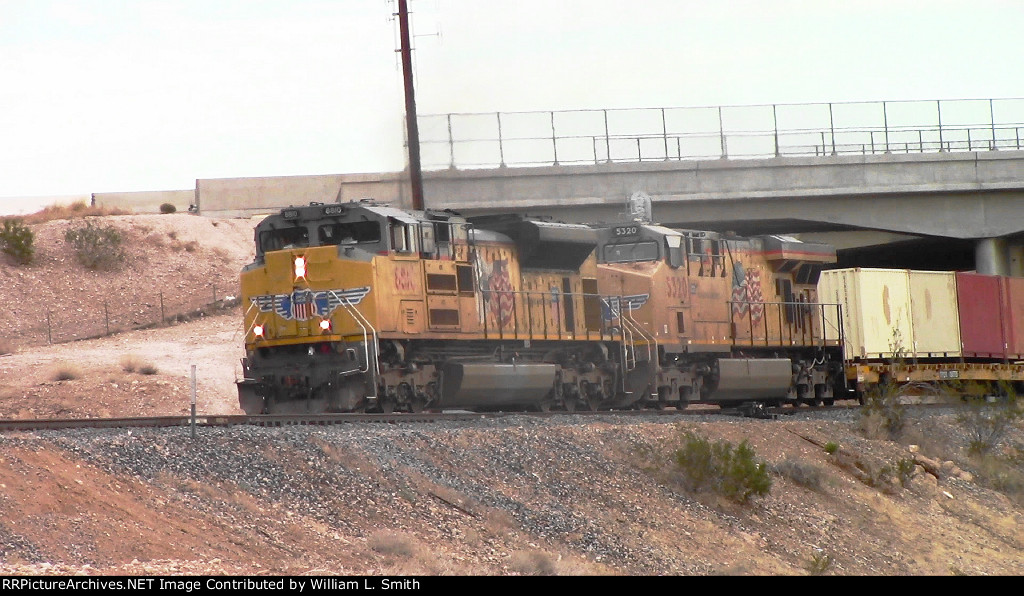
(677, 291)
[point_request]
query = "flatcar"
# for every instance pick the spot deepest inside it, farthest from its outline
(928, 328)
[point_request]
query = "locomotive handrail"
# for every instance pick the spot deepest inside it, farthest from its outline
(805, 324)
(529, 327)
(252, 304)
(360, 320)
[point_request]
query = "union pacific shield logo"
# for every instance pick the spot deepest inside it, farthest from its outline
(302, 305)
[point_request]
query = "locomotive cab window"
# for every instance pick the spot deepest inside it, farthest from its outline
(404, 236)
(674, 244)
(358, 232)
(282, 238)
(629, 253)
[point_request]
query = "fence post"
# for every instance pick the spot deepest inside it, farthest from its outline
(214, 286)
(554, 139)
(49, 333)
(831, 129)
(775, 127)
(885, 123)
(992, 119)
(607, 140)
(106, 317)
(938, 108)
(721, 133)
(664, 132)
(501, 145)
(451, 144)
(162, 316)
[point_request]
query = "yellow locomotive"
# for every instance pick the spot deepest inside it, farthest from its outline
(722, 320)
(364, 307)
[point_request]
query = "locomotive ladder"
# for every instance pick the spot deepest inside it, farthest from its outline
(372, 363)
(627, 348)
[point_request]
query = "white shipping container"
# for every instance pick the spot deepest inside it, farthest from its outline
(936, 318)
(876, 319)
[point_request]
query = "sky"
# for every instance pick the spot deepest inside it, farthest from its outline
(133, 95)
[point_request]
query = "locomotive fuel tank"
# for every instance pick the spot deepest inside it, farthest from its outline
(490, 385)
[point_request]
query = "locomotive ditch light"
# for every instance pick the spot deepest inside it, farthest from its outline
(258, 330)
(300, 267)
(325, 325)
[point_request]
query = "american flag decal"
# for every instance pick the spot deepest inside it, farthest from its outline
(746, 293)
(302, 305)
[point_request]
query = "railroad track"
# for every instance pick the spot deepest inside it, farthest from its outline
(335, 419)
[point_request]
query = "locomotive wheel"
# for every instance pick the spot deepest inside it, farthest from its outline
(387, 405)
(587, 398)
(416, 405)
(570, 404)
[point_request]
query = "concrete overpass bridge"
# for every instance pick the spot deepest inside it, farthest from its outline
(946, 186)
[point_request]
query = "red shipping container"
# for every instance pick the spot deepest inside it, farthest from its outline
(1013, 309)
(982, 320)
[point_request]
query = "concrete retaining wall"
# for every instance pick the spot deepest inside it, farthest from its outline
(236, 197)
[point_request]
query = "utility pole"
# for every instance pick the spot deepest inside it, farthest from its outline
(412, 129)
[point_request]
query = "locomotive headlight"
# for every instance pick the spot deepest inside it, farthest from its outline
(325, 325)
(300, 267)
(258, 330)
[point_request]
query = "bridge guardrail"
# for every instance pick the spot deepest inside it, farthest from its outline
(497, 139)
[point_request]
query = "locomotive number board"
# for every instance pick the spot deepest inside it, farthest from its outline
(622, 231)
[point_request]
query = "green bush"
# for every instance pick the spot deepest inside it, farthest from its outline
(167, 208)
(819, 563)
(96, 247)
(733, 472)
(17, 240)
(906, 469)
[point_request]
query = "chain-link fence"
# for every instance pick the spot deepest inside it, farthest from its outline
(109, 316)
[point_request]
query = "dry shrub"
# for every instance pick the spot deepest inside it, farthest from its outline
(131, 363)
(74, 210)
(387, 542)
(147, 369)
(65, 371)
(534, 562)
(499, 522)
(806, 474)
(6, 347)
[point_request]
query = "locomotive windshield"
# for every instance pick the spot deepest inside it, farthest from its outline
(356, 232)
(628, 253)
(280, 238)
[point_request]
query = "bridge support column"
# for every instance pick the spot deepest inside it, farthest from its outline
(991, 256)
